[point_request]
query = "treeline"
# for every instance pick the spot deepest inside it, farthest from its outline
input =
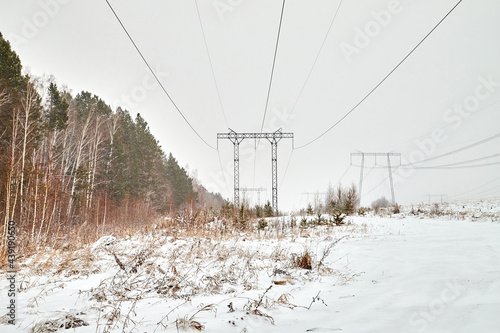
(71, 161)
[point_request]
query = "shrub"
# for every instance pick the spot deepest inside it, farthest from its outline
(309, 210)
(436, 210)
(380, 203)
(304, 261)
(363, 210)
(262, 224)
(338, 217)
(351, 200)
(344, 200)
(319, 219)
(396, 209)
(242, 218)
(268, 210)
(259, 211)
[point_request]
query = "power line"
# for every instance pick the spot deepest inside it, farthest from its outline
(369, 171)
(476, 188)
(156, 77)
(383, 80)
(442, 127)
(342, 177)
(268, 90)
(444, 166)
(286, 169)
(482, 193)
(437, 167)
(497, 191)
(223, 175)
(376, 186)
(472, 145)
(494, 189)
(461, 167)
(314, 63)
(272, 69)
(210, 61)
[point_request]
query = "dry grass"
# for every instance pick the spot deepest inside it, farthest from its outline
(180, 270)
(179, 259)
(303, 261)
(53, 325)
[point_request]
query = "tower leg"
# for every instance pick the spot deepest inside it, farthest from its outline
(236, 174)
(390, 179)
(274, 152)
(361, 178)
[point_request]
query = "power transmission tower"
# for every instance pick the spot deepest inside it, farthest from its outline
(430, 196)
(317, 198)
(273, 138)
(316, 195)
(258, 190)
(389, 168)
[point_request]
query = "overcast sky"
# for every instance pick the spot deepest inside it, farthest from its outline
(444, 96)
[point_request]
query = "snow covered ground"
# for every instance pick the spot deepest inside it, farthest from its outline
(400, 273)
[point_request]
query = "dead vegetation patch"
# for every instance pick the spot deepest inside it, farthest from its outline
(53, 325)
(303, 261)
(177, 266)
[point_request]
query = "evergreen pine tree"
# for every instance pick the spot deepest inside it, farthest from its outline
(57, 115)
(180, 184)
(268, 209)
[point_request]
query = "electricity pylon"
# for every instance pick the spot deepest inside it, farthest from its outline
(273, 138)
(430, 196)
(258, 190)
(316, 195)
(388, 168)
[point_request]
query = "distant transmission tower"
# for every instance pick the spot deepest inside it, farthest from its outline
(441, 196)
(315, 195)
(356, 154)
(258, 190)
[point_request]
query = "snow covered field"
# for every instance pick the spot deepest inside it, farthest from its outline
(435, 271)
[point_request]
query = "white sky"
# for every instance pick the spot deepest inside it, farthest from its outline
(83, 46)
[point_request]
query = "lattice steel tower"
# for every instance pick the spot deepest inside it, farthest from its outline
(273, 138)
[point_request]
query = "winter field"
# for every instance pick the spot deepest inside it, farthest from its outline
(431, 268)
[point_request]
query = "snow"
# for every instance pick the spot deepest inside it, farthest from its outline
(403, 273)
